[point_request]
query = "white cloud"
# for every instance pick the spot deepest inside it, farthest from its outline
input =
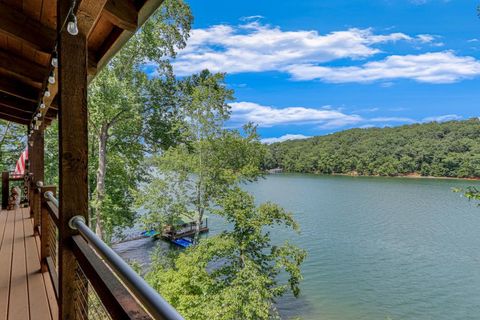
(426, 38)
(448, 117)
(325, 118)
(256, 47)
(249, 18)
(266, 116)
(436, 67)
(285, 138)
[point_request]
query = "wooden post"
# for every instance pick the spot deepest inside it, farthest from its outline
(45, 227)
(36, 155)
(5, 189)
(73, 152)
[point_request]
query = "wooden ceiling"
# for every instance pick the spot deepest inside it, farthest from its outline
(27, 41)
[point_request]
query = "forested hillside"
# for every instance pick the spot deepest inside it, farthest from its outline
(450, 149)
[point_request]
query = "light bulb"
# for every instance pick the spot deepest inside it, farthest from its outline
(47, 93)
(72, 27)
(42, 105)
(35, 118)
(55, 59)
(39, 115)
(51, 78)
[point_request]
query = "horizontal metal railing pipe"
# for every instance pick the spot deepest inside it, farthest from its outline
(49, 195)
(151, 300)
(148, 297)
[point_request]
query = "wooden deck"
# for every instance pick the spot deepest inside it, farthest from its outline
(25, 292)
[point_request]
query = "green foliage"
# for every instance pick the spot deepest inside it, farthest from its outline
(210, 159)
(471, 193)
(450, 149)
(12, 144)
(233, 275)
(51, 155)
(128, 115)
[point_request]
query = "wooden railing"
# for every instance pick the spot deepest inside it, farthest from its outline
(105, 287)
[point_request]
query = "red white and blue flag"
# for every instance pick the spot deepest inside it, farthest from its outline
(20, 167)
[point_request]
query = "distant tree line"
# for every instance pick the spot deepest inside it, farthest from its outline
(450, 149)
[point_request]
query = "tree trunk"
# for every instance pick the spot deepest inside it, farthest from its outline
(100, 189)
(200, 212)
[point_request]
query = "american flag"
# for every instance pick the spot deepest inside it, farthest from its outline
(20, 167)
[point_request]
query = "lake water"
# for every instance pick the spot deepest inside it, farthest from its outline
(378, 248)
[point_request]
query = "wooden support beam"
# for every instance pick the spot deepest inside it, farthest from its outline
(22, 67)
(9, 117)
(88, 13)
(122, 13)
(36, 156)
(13, 102)
(32, 33)
(21, 113)
(73, 153)
(18, 89)
(118, 40)
(92, 63)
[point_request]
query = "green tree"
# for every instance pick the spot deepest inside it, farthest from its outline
(119, 109)
(431, 149)
(234, 275)
(194, 173)
(12, 144)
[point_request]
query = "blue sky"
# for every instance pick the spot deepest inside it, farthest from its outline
(312, 67)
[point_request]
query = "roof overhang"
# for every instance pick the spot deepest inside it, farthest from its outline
(28, 39)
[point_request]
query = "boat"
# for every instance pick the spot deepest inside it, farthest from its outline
(179, 232)
(183, 242)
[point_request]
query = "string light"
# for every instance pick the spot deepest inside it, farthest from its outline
(55, 59)
(72, 29)
(51, 78)
(72, 26)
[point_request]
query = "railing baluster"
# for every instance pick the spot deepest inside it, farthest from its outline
(120, 291)
(46, 227)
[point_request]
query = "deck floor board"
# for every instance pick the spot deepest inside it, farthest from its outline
(25, 292)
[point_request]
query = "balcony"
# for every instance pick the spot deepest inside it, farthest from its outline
(25, 291)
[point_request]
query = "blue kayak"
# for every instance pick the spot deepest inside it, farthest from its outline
(150, 233)
(183, 242)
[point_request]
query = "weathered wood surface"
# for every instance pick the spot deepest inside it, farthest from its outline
(73, 152)
(114, 295)
(28, 35)
(25, 292)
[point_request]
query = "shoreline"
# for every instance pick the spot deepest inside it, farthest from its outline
(407, 176)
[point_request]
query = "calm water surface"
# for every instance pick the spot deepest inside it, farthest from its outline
(378, 248)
